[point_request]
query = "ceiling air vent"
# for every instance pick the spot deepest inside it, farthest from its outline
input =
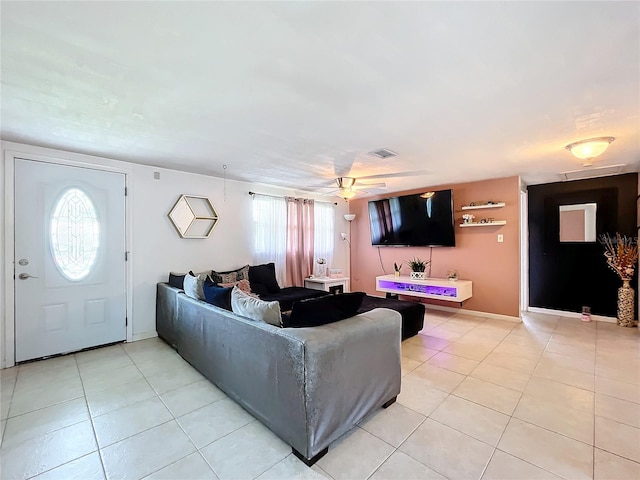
(592, 172)
(383, 153)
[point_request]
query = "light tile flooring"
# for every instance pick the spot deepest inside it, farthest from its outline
(549, 398)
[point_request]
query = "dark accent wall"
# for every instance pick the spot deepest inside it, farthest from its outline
(566, 276)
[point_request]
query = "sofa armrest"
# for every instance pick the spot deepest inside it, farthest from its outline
(352, 367)
(166, 312)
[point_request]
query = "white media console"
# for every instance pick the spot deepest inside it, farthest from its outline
(436, 288)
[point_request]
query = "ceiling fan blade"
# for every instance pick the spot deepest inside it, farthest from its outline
(397, 174)
(370, 185)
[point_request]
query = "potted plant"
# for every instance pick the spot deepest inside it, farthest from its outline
(621, 253)
(396, 269)
(418, 267)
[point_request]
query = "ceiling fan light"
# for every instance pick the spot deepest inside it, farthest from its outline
(346, 193)
(590, 148)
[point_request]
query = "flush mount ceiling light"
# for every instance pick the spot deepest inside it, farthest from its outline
(589, 149)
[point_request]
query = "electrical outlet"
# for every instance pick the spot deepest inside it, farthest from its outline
(500, 238)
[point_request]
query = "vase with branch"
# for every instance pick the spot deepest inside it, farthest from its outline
(621, 253)
(396, 269)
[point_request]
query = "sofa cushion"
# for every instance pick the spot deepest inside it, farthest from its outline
(193, 285)
(231, 276)
(320, 311)
(286, 296)
(241, 284)
(254, 308)
(218, 296)
(263, 279)
(176, 280)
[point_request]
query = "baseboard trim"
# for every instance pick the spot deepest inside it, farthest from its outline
(562, 313)
(144, 335)
(474, 313)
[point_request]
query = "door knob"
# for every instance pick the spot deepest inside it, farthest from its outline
(24, 276)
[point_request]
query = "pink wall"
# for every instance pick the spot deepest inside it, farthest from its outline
(493, 267)
(572, 226)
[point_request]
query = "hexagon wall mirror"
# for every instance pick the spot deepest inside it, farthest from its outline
(193, 216)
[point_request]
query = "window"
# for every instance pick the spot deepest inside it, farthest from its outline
(324, 231)
(270, 233)
(74, 234)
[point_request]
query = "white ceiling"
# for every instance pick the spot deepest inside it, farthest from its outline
(291, 93)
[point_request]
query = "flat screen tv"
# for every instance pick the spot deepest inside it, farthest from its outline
(419, 220)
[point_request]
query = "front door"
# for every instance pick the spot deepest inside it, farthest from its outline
(70, 290)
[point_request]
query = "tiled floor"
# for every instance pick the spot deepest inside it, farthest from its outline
(549, 398)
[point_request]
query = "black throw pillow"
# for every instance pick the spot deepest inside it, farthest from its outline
(263, 279)
(217, 296)
(320, 311)
(176, 281)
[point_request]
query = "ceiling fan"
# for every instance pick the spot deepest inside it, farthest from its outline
(348, 187)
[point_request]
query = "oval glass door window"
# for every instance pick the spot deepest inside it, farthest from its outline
(74, 234)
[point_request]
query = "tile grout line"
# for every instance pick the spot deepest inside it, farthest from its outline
(93, 427)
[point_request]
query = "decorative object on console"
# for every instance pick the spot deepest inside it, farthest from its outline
(418, 267)
(322, 267)
(334, 272)
(452, 275)
(621, 253)
(193, 216)
(396, 269)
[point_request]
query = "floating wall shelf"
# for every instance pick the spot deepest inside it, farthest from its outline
(487, 224)
(489, 205)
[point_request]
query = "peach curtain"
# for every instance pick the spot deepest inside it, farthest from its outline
(300, 233)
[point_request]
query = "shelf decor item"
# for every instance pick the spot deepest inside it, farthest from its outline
(621, 253)
(418, 267)
(468, 218)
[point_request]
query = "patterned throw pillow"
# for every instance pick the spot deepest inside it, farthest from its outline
(241, 284)
(231, 276)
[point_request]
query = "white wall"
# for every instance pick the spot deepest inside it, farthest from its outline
(155, 246)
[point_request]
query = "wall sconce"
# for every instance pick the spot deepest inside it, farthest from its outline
(589, 149)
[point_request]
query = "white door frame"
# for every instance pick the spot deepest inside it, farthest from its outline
(13, 151)
(524, 248)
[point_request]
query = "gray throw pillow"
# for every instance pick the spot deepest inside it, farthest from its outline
(193, 285)
(254, 308)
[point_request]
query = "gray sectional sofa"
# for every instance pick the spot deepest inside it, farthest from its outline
(307, 385)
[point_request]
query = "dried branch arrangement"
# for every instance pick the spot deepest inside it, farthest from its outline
(621, 253)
